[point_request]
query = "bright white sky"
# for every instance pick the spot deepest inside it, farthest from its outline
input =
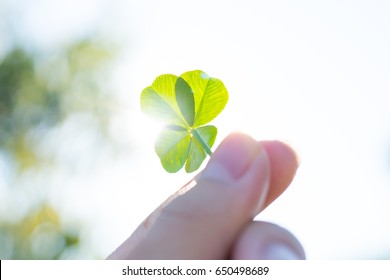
(312, 73)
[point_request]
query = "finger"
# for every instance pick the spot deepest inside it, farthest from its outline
(284, 162)
(226, 196)
(266, 241)
(229, 192)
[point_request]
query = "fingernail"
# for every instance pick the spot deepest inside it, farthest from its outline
(232, 158)
(281, 251)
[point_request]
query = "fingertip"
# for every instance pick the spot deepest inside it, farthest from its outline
(235, 154)
(284, 162)
(283, 149)
(267, 241)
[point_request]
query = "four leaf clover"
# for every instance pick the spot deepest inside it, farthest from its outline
(185, 104)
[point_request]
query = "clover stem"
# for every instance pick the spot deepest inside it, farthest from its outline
(200, 140)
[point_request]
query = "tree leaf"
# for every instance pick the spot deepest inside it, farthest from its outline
(172, 147)
(159, 100)
(210, 95)
(197, 153)
(185, 100)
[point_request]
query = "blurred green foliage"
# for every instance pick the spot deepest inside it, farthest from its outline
(41, 93)
(38, 93)
(39, 235)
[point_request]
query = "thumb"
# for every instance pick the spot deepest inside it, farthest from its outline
(203, 222)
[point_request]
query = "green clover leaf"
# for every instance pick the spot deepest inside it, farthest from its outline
(185, 104)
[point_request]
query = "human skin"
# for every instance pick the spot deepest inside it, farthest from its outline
(211, 217)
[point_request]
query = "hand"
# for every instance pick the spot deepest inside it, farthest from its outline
(212, 216)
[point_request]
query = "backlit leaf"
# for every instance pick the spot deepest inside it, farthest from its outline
(172, 147)
(197, 153)
(159, 100)
(210, 95)
(185, 100)
(185, 103)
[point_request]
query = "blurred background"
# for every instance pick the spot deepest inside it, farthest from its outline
(78, 171)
